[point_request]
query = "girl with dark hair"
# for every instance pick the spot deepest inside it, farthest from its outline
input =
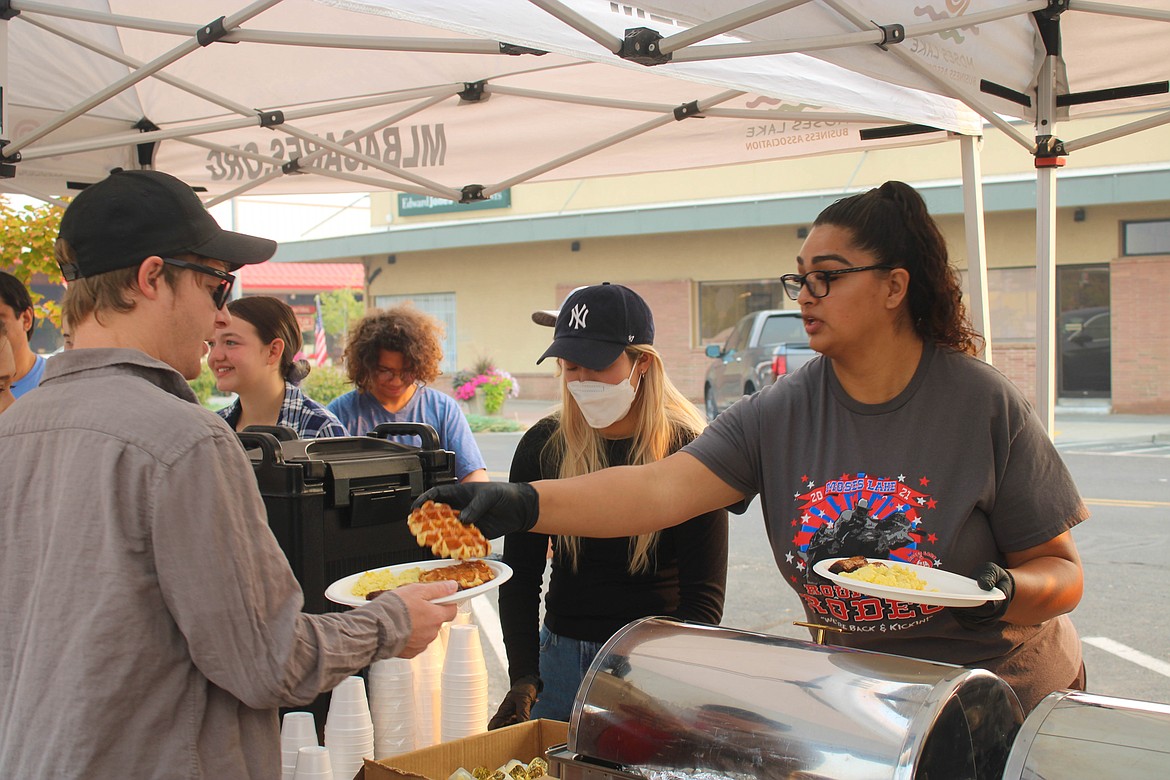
(255, 356)
(896, 442)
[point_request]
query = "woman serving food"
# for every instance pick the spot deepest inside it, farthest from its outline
(955, 470)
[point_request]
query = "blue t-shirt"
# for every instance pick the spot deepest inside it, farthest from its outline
(360, 413)
(31, 379)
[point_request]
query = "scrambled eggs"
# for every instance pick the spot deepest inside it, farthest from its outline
(895, 575)
(384, 579)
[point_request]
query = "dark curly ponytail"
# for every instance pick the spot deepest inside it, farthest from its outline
(892, 223)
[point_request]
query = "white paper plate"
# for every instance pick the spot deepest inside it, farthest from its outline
(341, 592)
(949, 589)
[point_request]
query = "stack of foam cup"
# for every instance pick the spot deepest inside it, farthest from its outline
(464, 684)
(427, 667)
(313, 764)
(392, 706)
(349, 731)
(297, 730)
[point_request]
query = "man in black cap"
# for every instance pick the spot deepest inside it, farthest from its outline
(152, 626)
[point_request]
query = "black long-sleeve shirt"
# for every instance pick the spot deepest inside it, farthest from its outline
(686, 579)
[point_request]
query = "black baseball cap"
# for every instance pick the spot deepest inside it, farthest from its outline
(130, 215)
(597, 323)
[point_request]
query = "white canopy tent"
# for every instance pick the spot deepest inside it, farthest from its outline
(1039, 60)
(363, 102)
(457, 98)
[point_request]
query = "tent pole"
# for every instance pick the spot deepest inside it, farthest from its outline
(581, 24)
(3, 77)
(129, 80)
(1046, 249)
(971, 150)
(605, 143)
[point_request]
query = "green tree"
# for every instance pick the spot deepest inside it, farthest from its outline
(324, 383)
(339, 308)
(27, 234)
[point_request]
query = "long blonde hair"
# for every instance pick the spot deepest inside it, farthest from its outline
(662, 414)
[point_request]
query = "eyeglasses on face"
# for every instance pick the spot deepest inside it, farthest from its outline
(390, 374)
(817, 282)
(222, 291)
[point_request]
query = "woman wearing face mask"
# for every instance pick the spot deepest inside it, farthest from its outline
(254, 357)
(618, 408)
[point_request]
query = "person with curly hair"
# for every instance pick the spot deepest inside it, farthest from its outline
(391, 356)
(896, 441)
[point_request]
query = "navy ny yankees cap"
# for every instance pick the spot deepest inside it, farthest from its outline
(597, 323)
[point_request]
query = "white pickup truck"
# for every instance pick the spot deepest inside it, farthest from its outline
(763, 346)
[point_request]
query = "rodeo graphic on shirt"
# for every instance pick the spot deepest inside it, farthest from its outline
(877, 517)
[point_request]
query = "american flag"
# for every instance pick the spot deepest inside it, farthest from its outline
(320, 350)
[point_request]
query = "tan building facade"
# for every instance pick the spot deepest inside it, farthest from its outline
(704, 247)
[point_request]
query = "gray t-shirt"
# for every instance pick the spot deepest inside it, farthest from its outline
(956, 470)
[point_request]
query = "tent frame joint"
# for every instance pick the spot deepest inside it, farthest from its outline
(471, 193)
(514, 50)
(688, 110)
(641, 45)
(473, 91)
(211, 32)
(1054, 10)
(270, 118)
(292, 167)
(891, 33)
(146, 150)
(1050, 152)
(7, 162)
(7, 11)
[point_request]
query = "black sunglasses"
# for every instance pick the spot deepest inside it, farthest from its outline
(817, 282)
(222, 292)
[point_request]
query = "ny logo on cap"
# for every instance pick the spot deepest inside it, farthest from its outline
(577, 316)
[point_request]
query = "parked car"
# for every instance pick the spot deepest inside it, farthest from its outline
(1085, 336)
(762, 346)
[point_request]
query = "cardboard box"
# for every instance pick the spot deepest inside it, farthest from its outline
(524, 741)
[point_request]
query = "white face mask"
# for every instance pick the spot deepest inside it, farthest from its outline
(604, 404)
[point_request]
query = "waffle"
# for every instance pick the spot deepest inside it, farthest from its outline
(468, 574)
(437, 526)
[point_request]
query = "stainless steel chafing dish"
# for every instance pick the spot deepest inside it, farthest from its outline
(1072, 735)
(676, 700)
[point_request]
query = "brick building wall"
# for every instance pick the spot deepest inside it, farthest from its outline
(1017, 361)
(1140, 302)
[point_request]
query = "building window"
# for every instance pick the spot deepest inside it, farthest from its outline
(441, 306)
(1146, 238)
(722, 304)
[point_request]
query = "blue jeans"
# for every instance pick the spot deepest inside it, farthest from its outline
(563, 664)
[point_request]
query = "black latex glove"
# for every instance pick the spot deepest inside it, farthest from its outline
(517, 704)
(496, 508)
(989, 575)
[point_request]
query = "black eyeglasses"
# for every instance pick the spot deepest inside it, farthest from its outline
(817, 282)
(390, 374)
(222, 291)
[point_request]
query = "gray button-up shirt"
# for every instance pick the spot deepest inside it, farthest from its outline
(149, 622)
